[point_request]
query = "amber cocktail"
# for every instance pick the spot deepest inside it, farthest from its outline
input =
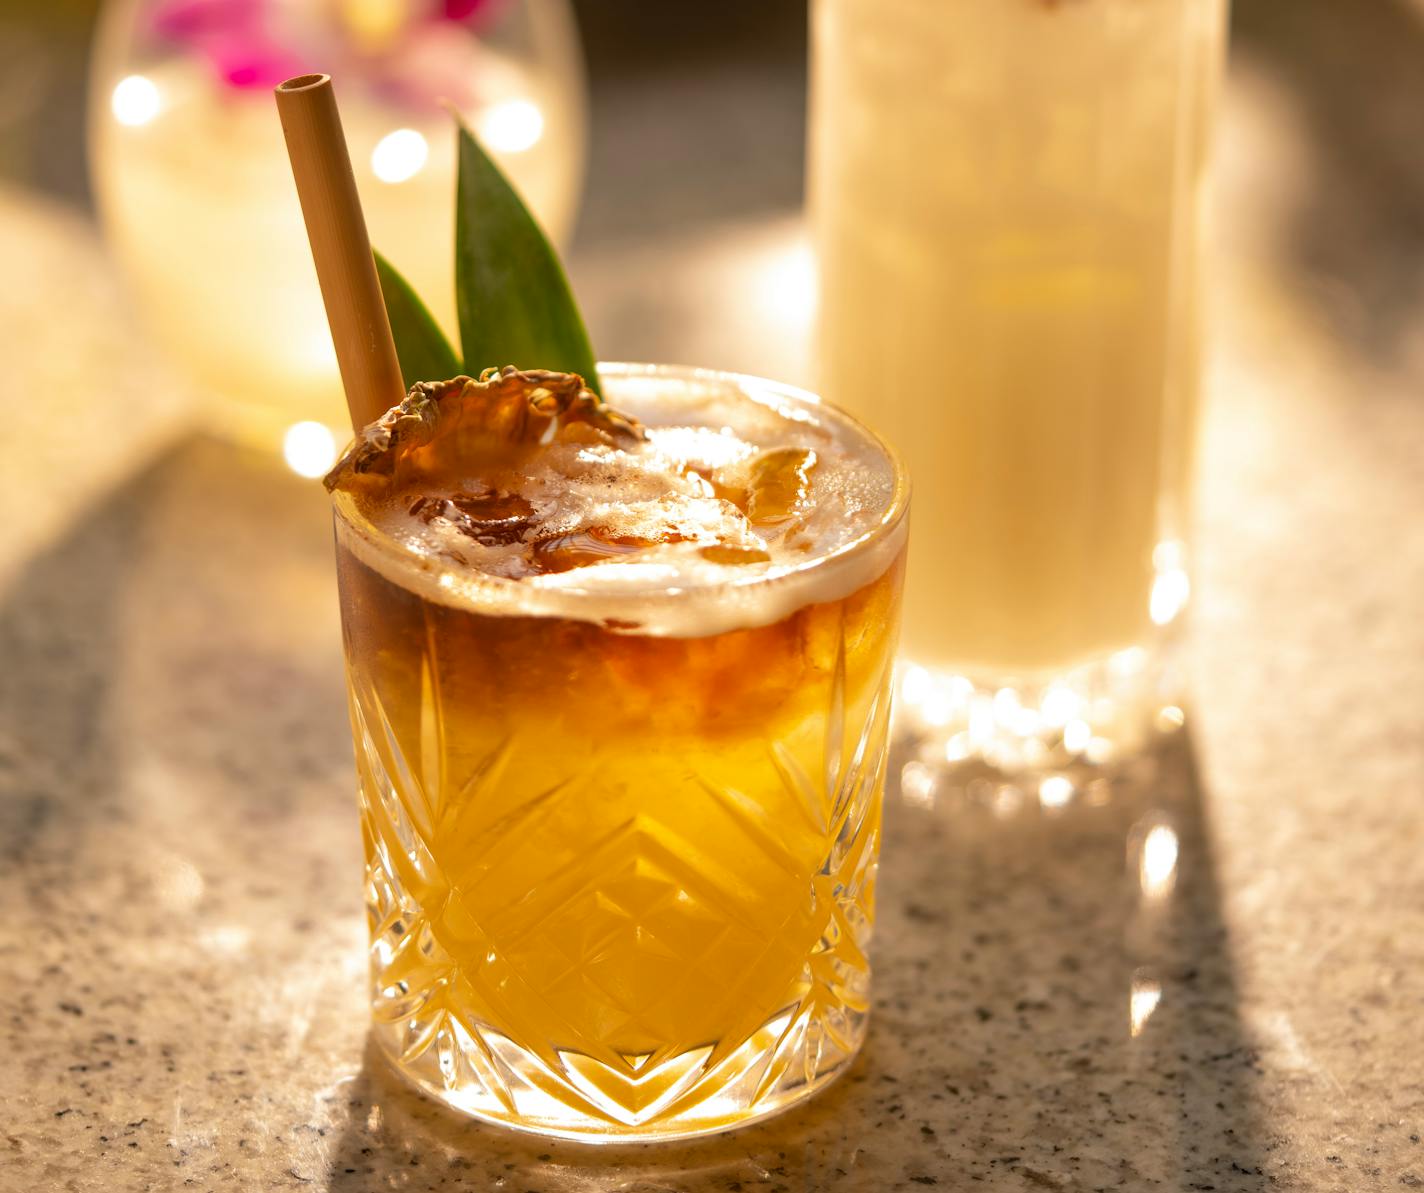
(620, 691)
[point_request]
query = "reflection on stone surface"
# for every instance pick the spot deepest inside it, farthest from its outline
(206, 791)
(1157, 867)
(1145, 994)
(1067, 727)
(999, 1048)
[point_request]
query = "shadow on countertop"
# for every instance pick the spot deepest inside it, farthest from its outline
(1056, 1008)
(1354, 228)
(172, 676)
(58, 643)
(1056, 996)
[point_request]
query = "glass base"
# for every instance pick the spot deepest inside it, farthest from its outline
(766, 1076)
(1048, 736)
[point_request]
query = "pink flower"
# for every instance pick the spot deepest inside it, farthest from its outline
(242, 41)
(196, 20)
(233, 36)
(462, 10)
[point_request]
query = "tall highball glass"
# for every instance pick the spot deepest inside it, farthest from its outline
(1008, 200)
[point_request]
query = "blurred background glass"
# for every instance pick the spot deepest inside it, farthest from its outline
(689, 244)
(1009, 202)
(191, 177)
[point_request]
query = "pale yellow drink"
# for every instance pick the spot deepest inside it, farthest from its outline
(196, 193)
(1007, 197)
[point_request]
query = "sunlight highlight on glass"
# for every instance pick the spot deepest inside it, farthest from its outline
(512, 126)
(1157, 869)
(399, 156)
(786, 286)
(1098, 750)
(135, 101)
(1170, 717)
(917, 785)
(309, 448)
(1055, 792)
(1146, 994)
(1170, 593)
(1060, 704)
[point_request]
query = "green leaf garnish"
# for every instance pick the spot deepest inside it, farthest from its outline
(424, 352)
(514, 302)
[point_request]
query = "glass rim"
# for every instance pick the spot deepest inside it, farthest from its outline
(889, 523)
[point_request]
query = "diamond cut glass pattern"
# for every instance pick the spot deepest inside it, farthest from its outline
(630, 924)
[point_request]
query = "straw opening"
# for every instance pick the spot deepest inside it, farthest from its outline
(302, 82)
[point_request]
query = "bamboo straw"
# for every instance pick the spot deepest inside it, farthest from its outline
(336, 228)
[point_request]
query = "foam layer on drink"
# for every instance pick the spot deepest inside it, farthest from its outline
(727, 503)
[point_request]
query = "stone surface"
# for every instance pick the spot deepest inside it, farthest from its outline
(182, 932)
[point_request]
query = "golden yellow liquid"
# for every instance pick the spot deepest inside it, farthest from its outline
(618, 883)
(1008, 197)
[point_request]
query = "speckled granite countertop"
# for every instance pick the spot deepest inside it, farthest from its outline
(182, 935)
